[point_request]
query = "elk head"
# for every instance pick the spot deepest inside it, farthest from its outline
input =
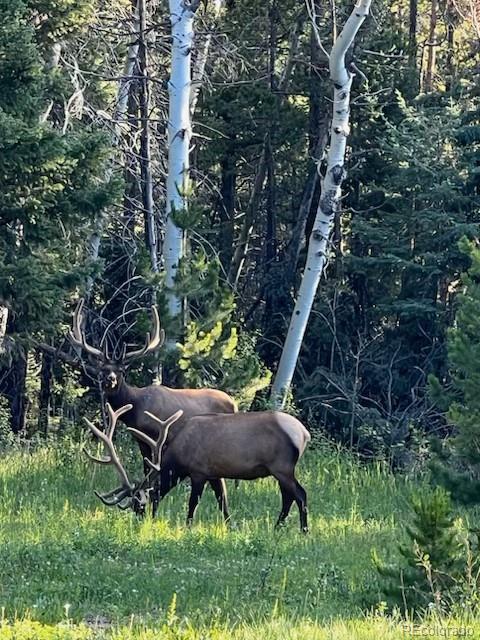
(129, 494)
(112, 370)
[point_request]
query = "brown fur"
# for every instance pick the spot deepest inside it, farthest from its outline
(243, 446)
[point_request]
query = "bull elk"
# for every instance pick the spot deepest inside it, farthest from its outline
(241, 446)
(155, 399)
(128, 493)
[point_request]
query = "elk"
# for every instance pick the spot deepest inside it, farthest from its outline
(241, 446)
(156, 399)
(128, 493)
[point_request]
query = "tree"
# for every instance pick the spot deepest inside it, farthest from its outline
(182, 14)
(431, 564)
(458, 461)
(318, 248)
(49, 192)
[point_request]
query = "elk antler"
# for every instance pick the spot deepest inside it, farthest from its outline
(77, 334)
(126, 488)
(156, 445)
(152, 341)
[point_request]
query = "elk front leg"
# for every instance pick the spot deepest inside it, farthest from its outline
(195, 495)
(220, 489)
(163, 485)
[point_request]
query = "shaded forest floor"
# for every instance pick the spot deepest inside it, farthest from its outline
(71, 568)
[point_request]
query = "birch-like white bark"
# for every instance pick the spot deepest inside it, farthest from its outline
(182, 15)
(118, 119)
(55, 53)
(318, 246)
(3, 326)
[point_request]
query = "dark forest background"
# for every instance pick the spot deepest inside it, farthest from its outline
(393, 333)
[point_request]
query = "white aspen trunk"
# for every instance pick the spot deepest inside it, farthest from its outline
(54, 61)
(318, 245)
(3, 326)
(118, 118)
(182, 14)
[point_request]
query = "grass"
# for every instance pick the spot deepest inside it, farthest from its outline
(72, 568)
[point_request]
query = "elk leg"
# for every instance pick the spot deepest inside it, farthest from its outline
(290, 485)
(220, 489)
(301, 500)
(164, 484)
(287, 501)
(195, 495)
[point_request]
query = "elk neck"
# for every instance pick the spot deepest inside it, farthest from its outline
(123, 394)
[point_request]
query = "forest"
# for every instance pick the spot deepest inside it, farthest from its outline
(284, 198)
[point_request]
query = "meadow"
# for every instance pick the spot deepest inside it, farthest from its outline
(72, 568)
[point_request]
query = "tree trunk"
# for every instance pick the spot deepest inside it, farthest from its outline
(45, 392)
(271, 226)
(118, 116)
(145, 151)
(241, 247)
(412, 34)
(450, 63)
(226, 210)
(53, 62)
(3, 326)
(201, 59)
(18, 408)
(182, 15)
(132, 191)
(432, 49)
(329, 202)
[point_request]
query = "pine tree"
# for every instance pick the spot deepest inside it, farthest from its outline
(457, 464)
(430, 559)
(49, 193)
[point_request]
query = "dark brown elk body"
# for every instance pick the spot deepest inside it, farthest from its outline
(161, 401)
(242, 446)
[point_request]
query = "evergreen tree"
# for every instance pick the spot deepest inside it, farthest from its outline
(457, 464)
(430, 563)
(49, 192)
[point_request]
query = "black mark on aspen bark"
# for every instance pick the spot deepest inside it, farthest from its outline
(337, 174)
(327, 203)
(317, 234)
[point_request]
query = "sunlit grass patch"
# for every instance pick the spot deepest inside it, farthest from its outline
(63, 550)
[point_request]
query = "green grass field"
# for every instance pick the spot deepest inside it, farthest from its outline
(72, 568)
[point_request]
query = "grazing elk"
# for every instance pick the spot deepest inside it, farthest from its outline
(241, 446)
(155, 399)
(127, 494)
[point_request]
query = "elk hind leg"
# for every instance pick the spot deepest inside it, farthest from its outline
(287, 500)
(301, 500)
(294, 491)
